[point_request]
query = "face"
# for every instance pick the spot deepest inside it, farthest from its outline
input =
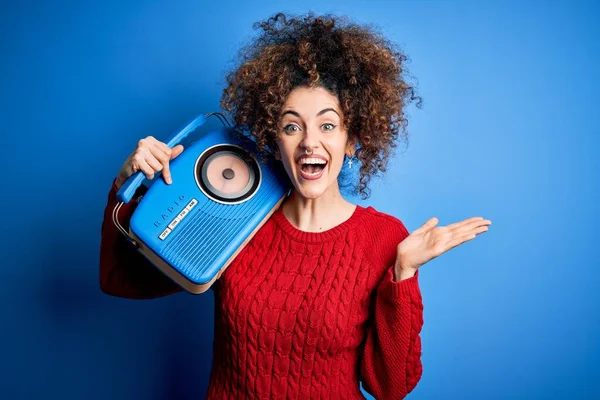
(311, 119)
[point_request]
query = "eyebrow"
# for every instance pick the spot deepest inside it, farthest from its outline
(325, 110)
(318, 114)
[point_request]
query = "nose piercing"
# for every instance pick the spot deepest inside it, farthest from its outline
(308, 151)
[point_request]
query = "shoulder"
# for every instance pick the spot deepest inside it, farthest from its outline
(384, 225)
(382, 233)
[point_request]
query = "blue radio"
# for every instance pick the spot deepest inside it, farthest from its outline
(220, 195)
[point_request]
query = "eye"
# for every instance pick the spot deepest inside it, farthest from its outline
(291, 128)
(328, 127)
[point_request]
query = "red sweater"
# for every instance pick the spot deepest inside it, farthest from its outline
(298, 314)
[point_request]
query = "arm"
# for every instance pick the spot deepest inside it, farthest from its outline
(124, 272)
(391, 364)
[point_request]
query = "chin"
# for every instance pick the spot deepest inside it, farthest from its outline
(310, 193)
(311, 190)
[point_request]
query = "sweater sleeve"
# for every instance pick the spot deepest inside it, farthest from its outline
(124, 271)
(391, 364)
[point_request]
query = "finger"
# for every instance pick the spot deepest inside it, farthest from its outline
(164, 148)
(460, 239)
(477, 230)
(171, 152)
(146, 142)
(471, 227)
(151, 160)
(167, 174)
(142, 165)
(427, 225)
(470, 224)
(468, 233)
(177, 150)
(159, 155)
(151, 142)
(163, 157)
(465, 221)
(167, 155)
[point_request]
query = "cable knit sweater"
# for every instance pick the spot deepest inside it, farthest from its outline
(298, 315)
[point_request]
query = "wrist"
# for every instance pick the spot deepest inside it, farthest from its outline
(119, 181)
(404, 273)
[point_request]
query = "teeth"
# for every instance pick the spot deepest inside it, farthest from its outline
(312, 173)
(312, 161)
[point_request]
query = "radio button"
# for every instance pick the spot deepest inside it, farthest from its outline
(191, 204)
(164, 234)
(174, 223)
(183, 213)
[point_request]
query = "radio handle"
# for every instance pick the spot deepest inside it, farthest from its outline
(129, 188)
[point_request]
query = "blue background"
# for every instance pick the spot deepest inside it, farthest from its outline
(507, 131)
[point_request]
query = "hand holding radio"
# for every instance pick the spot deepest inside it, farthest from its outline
(195, 227)
(150, 156)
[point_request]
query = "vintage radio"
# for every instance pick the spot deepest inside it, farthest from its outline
(221, 194)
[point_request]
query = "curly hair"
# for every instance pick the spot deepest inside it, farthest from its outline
(364, 70)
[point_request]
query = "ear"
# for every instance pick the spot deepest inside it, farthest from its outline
(351, 147)
(277, 155)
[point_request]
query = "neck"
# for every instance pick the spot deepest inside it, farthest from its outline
(320, 214)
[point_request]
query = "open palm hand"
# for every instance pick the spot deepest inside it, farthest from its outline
(430, 241)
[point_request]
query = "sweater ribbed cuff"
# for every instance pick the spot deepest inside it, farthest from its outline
(408, 287)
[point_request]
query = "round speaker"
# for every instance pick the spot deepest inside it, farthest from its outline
(227, 174)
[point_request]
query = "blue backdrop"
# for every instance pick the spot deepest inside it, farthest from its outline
(507, 132)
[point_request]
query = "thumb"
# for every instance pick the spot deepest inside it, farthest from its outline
(177, 150)
(429, 224)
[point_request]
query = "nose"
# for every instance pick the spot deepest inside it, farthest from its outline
(311, 139)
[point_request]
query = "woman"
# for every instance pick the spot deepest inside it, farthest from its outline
(326, 294)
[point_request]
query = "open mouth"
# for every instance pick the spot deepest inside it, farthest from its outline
(312, 167)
